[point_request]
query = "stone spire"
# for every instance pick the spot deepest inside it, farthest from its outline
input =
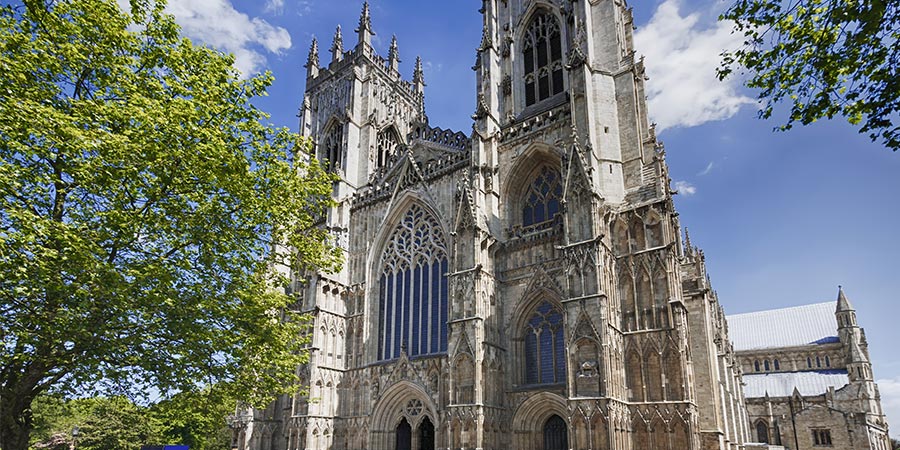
(337, 47)
(312, 62)
(365, 27)
(843, 305)
(394, 55)
(419, 75)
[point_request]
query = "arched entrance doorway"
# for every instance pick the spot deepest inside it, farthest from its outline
(556, 435)
(426, 435)
(404, 436)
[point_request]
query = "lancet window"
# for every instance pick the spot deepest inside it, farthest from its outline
(541, 200)
(542, 57)
(545, 357)
(332, 151)
(387, 143)
(413, 290)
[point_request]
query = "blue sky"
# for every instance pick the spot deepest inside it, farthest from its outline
(783, 218)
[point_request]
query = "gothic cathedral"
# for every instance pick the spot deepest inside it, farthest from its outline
(523, 286)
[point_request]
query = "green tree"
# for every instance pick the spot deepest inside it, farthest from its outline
(195, 419)
(895, 444)
(823, 57)
(143, 199)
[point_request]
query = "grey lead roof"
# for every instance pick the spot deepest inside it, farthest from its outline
(756, 385)
(788, 327)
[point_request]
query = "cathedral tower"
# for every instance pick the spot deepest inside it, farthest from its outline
(523, 287)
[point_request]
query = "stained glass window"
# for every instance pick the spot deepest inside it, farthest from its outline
(545, 358)
(332, 147)
(542, 58)
(541, 202)
(413, 288)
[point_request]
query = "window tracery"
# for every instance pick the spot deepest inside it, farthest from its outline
(542, 57)
(545, 358)
(413, 290)
(386, 147)
(541, 200)
(332, 153)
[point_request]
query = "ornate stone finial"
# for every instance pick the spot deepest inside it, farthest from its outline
(337, 46)
(687, 241)
(481, 110)
(394, 54)
(486, 41)
(365, 19)
(365, 25)
(419, 73)
(576, 56)
(312, 62)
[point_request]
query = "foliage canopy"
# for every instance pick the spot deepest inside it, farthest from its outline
(144, 202)
(823, 57)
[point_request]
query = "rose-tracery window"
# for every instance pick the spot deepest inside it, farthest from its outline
(413, 288)
(387, 144)
(541, 201)
(542, 56)
(545, 358)
(332, 147)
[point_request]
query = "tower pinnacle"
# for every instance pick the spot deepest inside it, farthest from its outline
(337, 46)
(394, 54)
(365, 26)
(312, 62)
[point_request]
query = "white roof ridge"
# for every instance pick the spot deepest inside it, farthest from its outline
(788, 308)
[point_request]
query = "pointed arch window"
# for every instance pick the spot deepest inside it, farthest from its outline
(542, 58)
(545, 358)
(541, 201)
(413, 289)
(386, 143)
(332, 154)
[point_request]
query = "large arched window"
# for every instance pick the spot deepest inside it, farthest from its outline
(542, 57)
(541, 200)
(331, 145)
(413, 288)
(387, 144)
(545, 356)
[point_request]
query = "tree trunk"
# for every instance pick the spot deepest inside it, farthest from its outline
(15, 422)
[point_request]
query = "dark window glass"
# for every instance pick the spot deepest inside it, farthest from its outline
(777, 365)
(414, 295)
(767, 365)
(542, 58)
(543, 86)
(756, 365)
(541, 202)
(762, 432)
(331, 147)
(404, 435)
(545, 346)
(426, 435)
(556, 434)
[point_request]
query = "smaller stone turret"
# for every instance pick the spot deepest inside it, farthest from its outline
(312, 61)
(337, 46)
(365, 28)
(394, 55)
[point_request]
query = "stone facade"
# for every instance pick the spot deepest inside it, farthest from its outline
(524, 286)
(815, 390)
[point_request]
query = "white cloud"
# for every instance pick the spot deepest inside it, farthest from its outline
(682, 56)
(275, 6)
(684, 188)
(708, 169)
(216, 23)
(890, 401)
